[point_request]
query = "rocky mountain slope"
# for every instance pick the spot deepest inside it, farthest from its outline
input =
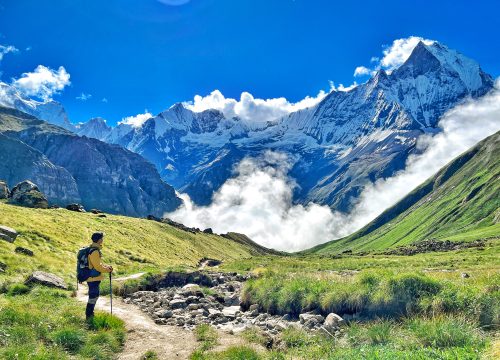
(460, 203)
(68, 167)
(335, 148)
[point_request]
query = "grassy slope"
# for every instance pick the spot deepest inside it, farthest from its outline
(461, 202)
(131, 244)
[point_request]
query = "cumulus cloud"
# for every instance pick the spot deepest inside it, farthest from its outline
(362, 70)
(258, 201)
(174, 2)
(84, 97)
(137, 120)
(43, 82)
(104, 100)
(394, 55)
(250, 108)
(6, 49)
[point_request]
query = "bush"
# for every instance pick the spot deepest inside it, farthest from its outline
(69, 339)
(207, 335)
(18, 289)
(149, 355)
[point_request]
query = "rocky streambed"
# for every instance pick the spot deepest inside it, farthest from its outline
(217, 302)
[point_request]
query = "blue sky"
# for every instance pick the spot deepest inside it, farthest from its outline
(147, 54)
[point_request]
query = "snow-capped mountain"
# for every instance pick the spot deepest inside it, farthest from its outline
(50, 111)
(335, 147)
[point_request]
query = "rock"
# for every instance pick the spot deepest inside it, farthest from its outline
(213, 313)
(101, 216)
(46, 279)
(465, 276)
(96, 211)
(24, 251)
(286, 317)
(191, 290)
(4, 190)
(253, 307)
(178, 303)
(231, 311)
(208, 231)
(208, 262)
(153, 218)
(3, 267)
(75, 207)
(27, 194)
(166, 314)
(306, 317)
(7, 233)
(333, 321)
(54, 206)
(232, 299)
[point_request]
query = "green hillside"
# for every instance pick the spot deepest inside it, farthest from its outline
(460, 203)
(131, 244)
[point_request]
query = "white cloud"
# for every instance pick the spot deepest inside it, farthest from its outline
(84, 97)
(394, 55)
(104, 100)
(250, 108)
(44, 82)
(174, 2)
(6, 49)
(343, 88)
(362, 70)
(258, 201)
(137, 120)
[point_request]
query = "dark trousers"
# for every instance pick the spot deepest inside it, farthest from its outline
(93, 296)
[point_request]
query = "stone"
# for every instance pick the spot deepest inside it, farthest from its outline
(24, 251)
(178, 303)
(27, 194)
(306, 317)
(101, 216)
(208, 231)
(96, 211)
(3, 267)
(286, 317)
(166, 314)
(231, 311)
(46, 279)
(465, 276)
(7, 233)
(75, 207)
(4, 190)
(253, 307)
(333, 321)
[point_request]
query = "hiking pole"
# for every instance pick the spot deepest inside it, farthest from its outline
(111, 293)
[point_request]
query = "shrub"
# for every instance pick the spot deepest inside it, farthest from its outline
(69, 339)
(106, 321)
(149, 355)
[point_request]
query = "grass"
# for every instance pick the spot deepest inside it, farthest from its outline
(46, 324)
(131, 244)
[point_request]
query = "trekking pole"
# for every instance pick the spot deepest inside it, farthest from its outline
(111, 293)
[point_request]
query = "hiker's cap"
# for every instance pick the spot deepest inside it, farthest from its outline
(97, 236)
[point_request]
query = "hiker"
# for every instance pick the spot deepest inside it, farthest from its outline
(95, 269)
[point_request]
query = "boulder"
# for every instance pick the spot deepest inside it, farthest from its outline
(4, 190)
(75, 207)
(24, 251)
(231, 311)
(46, 279)
(96, 211)
(178, 304)
(7, 233)
(192, 290)
(208, 231)
(333, 321)
(307, 317)
(27, 194)
(3, 267)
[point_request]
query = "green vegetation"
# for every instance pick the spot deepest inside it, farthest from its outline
(131, 244)
(460, 203)
(46, 324)
(232, 353)
(149, 355)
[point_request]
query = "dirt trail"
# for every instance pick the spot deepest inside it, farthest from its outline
(169, 342)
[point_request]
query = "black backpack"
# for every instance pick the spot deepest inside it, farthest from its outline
(82, 263)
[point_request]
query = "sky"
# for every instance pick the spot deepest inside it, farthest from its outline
(119, 58)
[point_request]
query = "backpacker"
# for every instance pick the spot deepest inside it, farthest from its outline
(83, 272)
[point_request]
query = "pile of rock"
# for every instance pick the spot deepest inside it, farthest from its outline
(219, 305)
(4, 190)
